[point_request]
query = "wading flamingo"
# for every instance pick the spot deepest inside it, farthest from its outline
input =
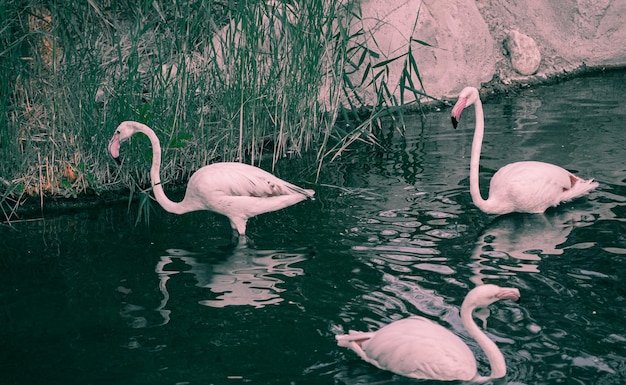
(238, 191)
(524, 187)
(420, 348)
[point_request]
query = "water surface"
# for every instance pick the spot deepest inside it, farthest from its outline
(90, 298)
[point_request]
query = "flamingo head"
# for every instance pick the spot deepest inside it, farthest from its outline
(484, 295)
(124, 131)
(467, 97)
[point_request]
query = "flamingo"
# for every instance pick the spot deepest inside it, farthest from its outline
(417, 347)
(525, 187)
(238, 191)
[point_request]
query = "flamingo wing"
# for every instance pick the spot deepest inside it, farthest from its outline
(239, 179)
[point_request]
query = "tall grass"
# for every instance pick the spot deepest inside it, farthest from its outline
(358, 56)
(217, 81)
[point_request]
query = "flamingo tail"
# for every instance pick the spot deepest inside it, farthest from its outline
(579, 188)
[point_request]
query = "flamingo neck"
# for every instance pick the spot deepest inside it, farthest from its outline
(487, 206)
(494, 355)
(155, 171)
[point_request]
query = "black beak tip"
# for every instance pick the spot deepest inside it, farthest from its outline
(454, 121)
(118, 161)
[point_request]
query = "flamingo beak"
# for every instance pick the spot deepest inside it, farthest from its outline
(457, 110)
(454, 122)
(114, 148)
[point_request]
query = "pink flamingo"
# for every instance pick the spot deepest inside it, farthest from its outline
(525, 187)
(236, 190)
(420, 348)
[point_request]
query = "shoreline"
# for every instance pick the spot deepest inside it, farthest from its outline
(31, 209)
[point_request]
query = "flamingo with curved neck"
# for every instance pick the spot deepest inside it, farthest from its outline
(525, 187)
(417, 347)
(236, 190)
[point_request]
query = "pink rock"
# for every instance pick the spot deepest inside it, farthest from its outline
(524, 53)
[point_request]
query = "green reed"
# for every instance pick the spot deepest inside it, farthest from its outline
(217, 81)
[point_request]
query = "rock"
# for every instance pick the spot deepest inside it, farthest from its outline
(459, 49)
(523, 51)
(462, 44)
(466, 37)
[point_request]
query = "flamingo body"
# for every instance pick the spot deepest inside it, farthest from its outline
(420, 348)
(236, 190)
(533, 187)
(525, 187)
(408, 346)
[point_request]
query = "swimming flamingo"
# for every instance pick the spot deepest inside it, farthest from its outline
(236, 190)
(525, 187)
(420, 348)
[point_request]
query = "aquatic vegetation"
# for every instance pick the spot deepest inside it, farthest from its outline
(235, 81)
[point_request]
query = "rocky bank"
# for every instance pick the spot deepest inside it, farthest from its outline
(496, 42)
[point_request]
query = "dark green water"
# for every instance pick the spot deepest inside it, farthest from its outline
(88, 298)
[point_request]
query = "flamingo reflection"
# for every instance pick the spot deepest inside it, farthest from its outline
(516, 243)
(247, 277)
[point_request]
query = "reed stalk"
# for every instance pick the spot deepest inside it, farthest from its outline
(217, 81)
